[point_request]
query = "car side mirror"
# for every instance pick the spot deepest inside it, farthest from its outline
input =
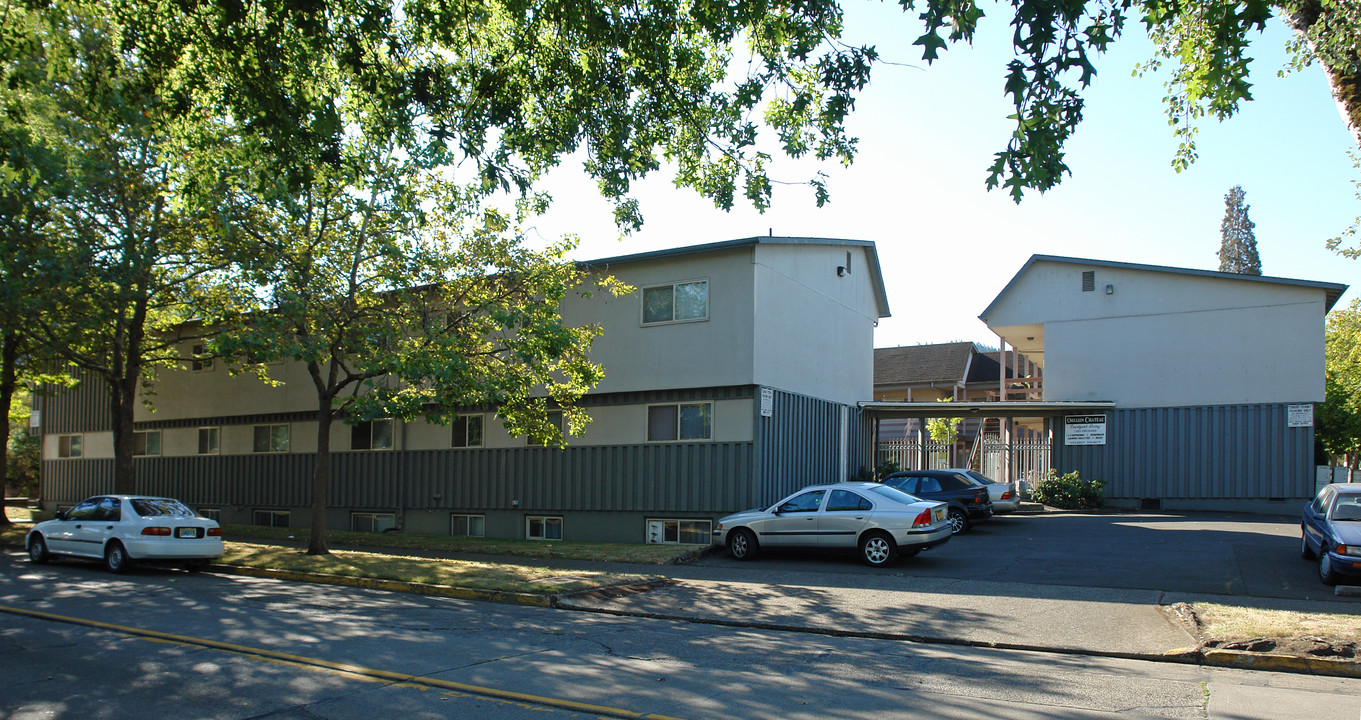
(61, 515)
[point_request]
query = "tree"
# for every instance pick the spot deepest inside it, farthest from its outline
(1339, 417)
(1238, 245)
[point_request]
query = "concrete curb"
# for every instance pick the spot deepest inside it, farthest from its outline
(1274, 662)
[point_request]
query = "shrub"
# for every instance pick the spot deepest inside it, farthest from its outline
(1069, 491)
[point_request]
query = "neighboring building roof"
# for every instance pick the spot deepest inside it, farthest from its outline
(876, 275)
(916, 364)
(1331, 291)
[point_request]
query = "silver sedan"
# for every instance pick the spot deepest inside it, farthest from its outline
(879, 522)
(1004, 497)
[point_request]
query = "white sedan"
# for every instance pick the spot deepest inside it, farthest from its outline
(878, 521)
(123, 529)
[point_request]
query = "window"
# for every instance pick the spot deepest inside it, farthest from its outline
(554, 419)
(685, 421)
(806, 502)
(371, 435)
(847, 500)
(373, 522)
(269, 518)
(108, 510)
(200, 363)
(271, 438)
(684, 532)
(211, 513)
(542, 527)
(209, 441)
(676, 303)
(84, 511)
(467, 525)
(466, 432)
(146, 443)
(68, 446)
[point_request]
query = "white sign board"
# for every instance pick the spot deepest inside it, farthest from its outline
(1084, 430)
(1299, 416)
(767, 402)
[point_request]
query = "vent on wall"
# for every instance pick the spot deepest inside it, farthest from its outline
(1088, 280)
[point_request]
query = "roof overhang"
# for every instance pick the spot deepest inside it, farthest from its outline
(983, 409)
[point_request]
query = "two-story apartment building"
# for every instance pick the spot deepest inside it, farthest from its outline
(732, 376)
(1213, 377)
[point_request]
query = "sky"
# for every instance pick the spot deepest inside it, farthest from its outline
(947, 246)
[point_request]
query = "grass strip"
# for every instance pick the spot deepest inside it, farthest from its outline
(1231, 622)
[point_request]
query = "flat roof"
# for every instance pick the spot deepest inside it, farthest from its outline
(884, 408)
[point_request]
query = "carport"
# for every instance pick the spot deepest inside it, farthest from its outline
(1012, 461)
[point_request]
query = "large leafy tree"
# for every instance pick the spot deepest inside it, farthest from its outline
(1237, 243)
(1339, 417)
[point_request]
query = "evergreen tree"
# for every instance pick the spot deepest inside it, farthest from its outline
(1238, 248)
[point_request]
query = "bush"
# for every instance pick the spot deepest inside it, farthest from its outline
(1069, 491)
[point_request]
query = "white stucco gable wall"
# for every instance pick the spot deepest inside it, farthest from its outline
(1167, 337)
(814, 327)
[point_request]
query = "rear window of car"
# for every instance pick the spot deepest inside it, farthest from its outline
(895, 494)
(152, 507)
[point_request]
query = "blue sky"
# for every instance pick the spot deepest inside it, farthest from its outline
(947, 246)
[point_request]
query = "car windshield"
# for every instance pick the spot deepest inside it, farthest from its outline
(1347, 508)
(152, 507)
(894, 494)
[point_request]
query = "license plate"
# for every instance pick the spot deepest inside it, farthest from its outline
(940, 515)
(186, 532)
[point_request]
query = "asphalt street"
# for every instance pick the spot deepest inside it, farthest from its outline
(416, 657)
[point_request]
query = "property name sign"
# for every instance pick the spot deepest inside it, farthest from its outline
(1299, 416)
(1084, 430)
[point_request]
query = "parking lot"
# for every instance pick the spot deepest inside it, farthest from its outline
(1219, 553)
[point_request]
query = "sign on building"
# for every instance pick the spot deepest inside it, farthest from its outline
(1299, 416)
(767, 402)
(1084, 430)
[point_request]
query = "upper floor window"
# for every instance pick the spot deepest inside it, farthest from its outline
(554, 419)
(69, 446)
(466, 431)
(683, 421)
(676, 302)
(200, 363)
(372, 435)
(146, 443)
(209, 440)
(271, 439)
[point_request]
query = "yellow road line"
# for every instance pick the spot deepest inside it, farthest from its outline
(340, 668)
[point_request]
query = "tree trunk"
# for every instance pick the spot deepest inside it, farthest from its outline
(123, 400)
(9, 356)
(321, 477)
(1344, 83)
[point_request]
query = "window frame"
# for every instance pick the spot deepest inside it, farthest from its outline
(705, 536)
(255, 513)
(199, 364)
(545, 521)
(71, 446)
(216, 448)
(144, 436)
(467, 424)
(214, 514)
(673, 320)
(368, 426)
(288, 438)
(531, 442)
(647, 427)
(373, 516)
(468, 524)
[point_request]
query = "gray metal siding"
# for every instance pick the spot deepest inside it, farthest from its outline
(82, 409)
(798, 445)
(1206, 452)
(673, 478)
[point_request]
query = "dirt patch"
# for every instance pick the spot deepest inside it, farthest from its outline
(1332, 636)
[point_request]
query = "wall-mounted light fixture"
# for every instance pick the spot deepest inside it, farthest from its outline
(841, 271)
(1110, 289)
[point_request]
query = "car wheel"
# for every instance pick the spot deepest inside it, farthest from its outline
(959, 522)
(742, 544)
(878, 549)
(116, 558)
(1325, 568)
(37, 550)
(1305, 551)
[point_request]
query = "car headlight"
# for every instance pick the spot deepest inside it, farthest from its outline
(1349, 550)
(718, 527)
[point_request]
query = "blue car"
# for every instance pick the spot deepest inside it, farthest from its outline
(1331, 532)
